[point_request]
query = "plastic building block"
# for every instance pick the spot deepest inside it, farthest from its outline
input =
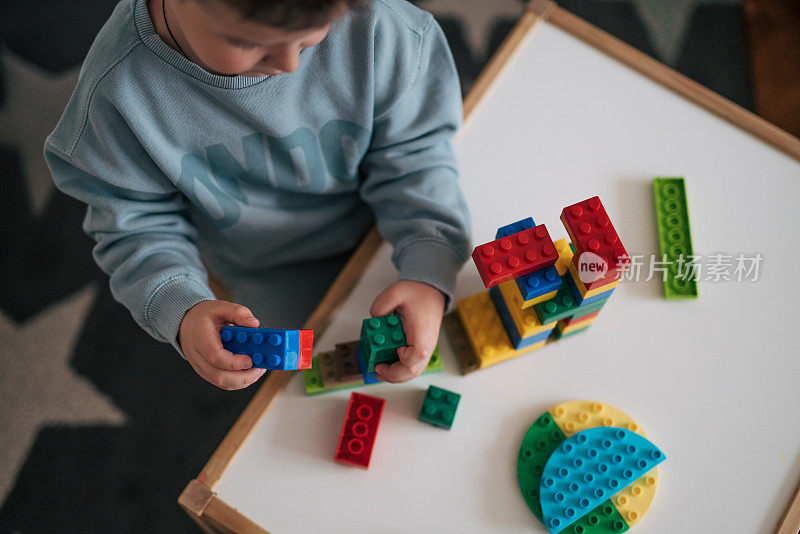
(359, 430)
(578, 318)
(439, 407)
(633, 501)
(313, 380)
(269, 348)
(590, 229)
(514, 256)
(306, 349)
(513, 228)
(526, 320)
(558, 334)
(340, 367)
(380, 339)
(370, 377)
(538, 286)
(605, 519)
(569, 329)
(565, 252)
(538, 444)
(535, 331)
(575, 416)
(581, 300)
(586, 293)
(564, 305)
(675, 238)
(589, 467)
(485, 331)
(459, 343)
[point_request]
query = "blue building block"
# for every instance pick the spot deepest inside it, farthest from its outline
(588, 468)
(269, 348)
(508, 322)
(538, 283)
(513, 228)
(372, 376)
(582, 301)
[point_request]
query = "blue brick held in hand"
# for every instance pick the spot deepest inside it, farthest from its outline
(269, 348)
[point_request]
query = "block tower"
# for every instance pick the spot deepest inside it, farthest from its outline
(537, 290)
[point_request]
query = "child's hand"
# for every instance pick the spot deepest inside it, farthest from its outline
(420, 307)
(199, 337)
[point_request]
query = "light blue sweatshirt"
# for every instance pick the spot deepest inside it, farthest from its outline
(182, 169)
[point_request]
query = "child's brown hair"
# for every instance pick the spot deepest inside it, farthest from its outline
(292, 14)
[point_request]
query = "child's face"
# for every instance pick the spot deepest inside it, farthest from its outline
(223, 43)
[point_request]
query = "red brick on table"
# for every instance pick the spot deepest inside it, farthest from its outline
(590, 229)
(515, 255)
(359, 430)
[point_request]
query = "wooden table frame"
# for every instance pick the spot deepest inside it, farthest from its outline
(198, 499)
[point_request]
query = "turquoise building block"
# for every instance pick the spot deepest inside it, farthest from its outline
(588, 468)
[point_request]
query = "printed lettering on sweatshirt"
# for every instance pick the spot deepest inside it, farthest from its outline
(300, 161)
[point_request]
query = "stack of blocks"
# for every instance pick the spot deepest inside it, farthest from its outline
(535, 289)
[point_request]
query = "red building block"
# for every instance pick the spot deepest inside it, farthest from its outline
(570, 320)
(359, 429)
(590, 229)
(306, 348)
(514, 256)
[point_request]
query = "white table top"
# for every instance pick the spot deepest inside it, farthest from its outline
(713, 382)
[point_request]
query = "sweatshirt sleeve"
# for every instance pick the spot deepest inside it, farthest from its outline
(137, 218)
(411, 175)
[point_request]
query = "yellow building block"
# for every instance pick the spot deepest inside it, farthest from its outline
(526, 320)
(634, 500)
(574, 326)
(485, 330)
(582, 288)
(573, 417)
(564, 256)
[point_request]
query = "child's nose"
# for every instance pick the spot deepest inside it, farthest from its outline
(286, 59)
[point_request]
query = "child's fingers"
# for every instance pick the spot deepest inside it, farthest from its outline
(211, 350)
(385, 303)
(399, 371)
(229, 380)
(237, 314)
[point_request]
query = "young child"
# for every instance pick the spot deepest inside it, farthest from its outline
(261, 139)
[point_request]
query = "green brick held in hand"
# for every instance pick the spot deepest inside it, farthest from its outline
(439, 407)
(380, 339)
(675, 238)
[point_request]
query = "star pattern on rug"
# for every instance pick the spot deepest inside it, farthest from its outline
(37, 385)
(478, 16)
(667, 22)
(34, 103)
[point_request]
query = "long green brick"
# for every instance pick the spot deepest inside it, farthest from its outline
(312, 378)
(674, 236)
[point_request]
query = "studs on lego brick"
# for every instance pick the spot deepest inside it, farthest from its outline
(439, 407)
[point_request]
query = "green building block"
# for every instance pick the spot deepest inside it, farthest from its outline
(380, 339)
(675, 238)
(539, 442)
(605, 519)
(558, 335)
(564, 305)
(439, 407)
(312, 378)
